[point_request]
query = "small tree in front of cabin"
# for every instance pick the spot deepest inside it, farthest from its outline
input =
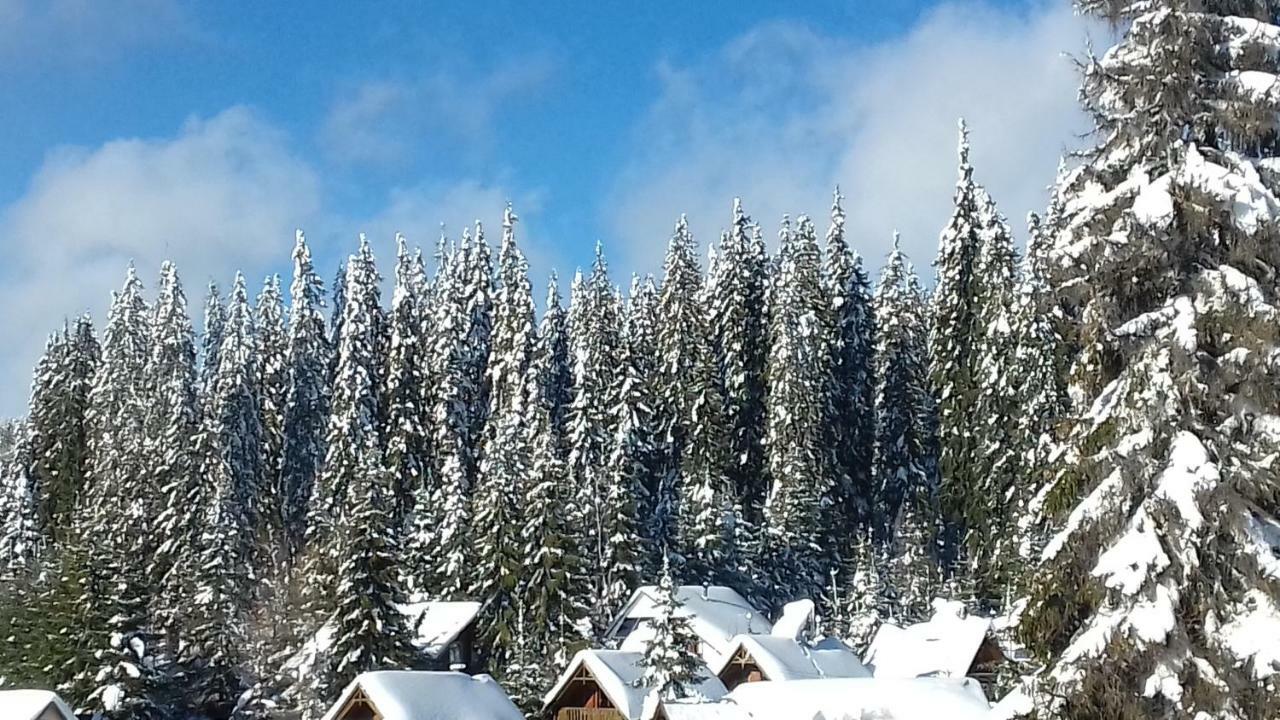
(671, 667)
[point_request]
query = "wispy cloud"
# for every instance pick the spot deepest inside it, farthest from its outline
(782, 114)
(40, 33)
(452, 108)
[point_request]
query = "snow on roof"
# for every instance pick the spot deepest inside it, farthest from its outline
(716, 615)
(945, 646)
(619, 674)
(863, 698)
(435, 625)
(795, 621)
(782, 658)
(411, 695)
(30, 704)
(688, 710)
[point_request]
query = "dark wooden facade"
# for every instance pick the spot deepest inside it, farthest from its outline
(742, 668)
(582, 699)
(359, 707)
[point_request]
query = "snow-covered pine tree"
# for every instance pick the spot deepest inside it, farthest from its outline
(506, 458)
(681, 314)
(215, 320)
(902, 392)
(56, 456)
(369, 630)
(851, 397)
(956, 348)
(306, 407)
(172, 422)
(112, 521)
(914, 576)
(271, 344)
(1159, 594)
(706, 493)
(799, 375)
(406, 377)
(864, 598)
(477, 305)
(223, 582)
(595, 340)
(672, 669)
(739, 332)
(552, 364)
(640, 337)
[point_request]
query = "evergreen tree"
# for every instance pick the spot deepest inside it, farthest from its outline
(56, 452)
(505, 465)
(215, 320)
(1148, 600)
(407, 427)
(671, 669)
(913, 569)
(739, 331)
(306, 395)
(902, 394)
(272, 349)
(232, 470)
(864, 600)
(851, 397)
(553, 366)
(799, 375)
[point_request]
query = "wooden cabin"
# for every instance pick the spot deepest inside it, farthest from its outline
(410, 695)
(33, 705)
(608, 685)
(760, 658)
(952, 644)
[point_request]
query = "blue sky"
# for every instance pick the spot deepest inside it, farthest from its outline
(205, 132)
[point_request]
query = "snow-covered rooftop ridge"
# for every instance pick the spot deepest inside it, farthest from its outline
(942, 647)
(796, 618)
(783, 658)
(859, 698)
(412, 695)
(30, 704)
(620, 673)
(716, 615)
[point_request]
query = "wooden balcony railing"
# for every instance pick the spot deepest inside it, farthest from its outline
(588, 714)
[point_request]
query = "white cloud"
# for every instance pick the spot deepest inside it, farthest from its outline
(77, 32)
(225, 193)
(380, 122)
(782, 114)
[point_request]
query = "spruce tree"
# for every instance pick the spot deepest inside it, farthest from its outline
(902, 393)
(506, 461)
(799, 375)
(739, 332)
(272, 348)
(407, 426)
(851, 396)
(1149, 599)
(552, 364)
(671, 667)
(306, 395)
(215, 320)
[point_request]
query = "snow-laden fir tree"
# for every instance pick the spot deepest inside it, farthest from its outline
(112, 519)
(851, 396)
(957, 347)
(306, 402)
(798, 455)
(56, 444)
(681, 322)
(912, 567)
(739, 332)
(224, 579)
(1159, 594)
(506, 459)
(271, 344)
(171, 423)
(552, 364)
(640, 340)
(672, 669)
(215, 320)
(406, 376)
(595, 340)
(902, 391)
(863, 606)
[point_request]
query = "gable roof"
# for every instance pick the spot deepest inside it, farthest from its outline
(784, 658)
(716, 615)
(29, 704)
(943, 647)
(412, 695)
(619, 675)
(434, 626)
(896, 699)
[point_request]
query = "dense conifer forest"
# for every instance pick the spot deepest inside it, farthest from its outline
(1077, 433)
